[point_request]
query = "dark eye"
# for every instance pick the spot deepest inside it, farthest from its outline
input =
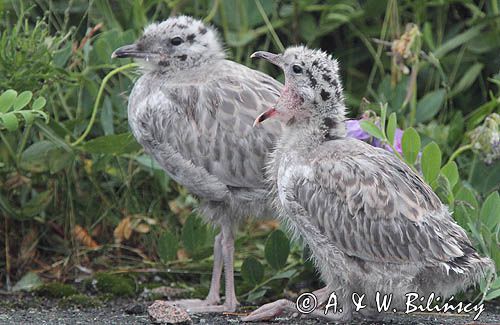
(176, 41)
(297, 69)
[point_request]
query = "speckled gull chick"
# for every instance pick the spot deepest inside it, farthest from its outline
(371, 223)
(192, 110)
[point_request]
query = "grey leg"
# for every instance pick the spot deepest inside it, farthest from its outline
(223, 255)
(211, 302)
(228, 255)
(214, 293)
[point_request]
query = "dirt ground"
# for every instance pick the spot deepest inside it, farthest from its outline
(28, 309)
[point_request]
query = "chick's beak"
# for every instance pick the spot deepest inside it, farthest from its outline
(128, 51)
(276, 59)
(264, 116)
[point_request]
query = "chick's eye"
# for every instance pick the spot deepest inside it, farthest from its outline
(176, 41)
(297, 69)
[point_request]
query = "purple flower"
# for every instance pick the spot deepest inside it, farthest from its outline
(354, 130)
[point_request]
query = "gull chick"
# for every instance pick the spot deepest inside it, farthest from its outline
(192, 110)
(372, 224)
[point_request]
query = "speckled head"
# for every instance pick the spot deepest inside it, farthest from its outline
(178, 43)
(312, 84)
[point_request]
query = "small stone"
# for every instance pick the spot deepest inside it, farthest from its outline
(162, 312)
(135, 309)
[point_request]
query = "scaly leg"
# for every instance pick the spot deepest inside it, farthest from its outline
(228, 255)
(213, 297)
(223, 255)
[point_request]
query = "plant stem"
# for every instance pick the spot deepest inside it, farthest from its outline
(460, 150)
(212, 12)
(7, 255)
(23, 143)
(8, 146)
(269, 25)
(99, 95)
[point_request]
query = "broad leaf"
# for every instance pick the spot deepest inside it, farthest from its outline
(430, 105)
(411, 145)
(7, 99)
(114, 144)
(391, 127)
(490, 211)
(22, 100)
(252, 271)
(277, 249)
(431, 162)
(371, 129)
(450, 171)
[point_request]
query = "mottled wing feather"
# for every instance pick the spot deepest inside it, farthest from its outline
(209, 127)
(373, 206)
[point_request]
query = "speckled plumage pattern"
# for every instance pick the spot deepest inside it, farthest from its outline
(192, 110)
(371, 222)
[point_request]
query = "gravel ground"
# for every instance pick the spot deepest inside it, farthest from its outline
(35, 310)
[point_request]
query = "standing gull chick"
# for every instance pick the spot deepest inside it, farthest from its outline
(371, 223)
(193, 110)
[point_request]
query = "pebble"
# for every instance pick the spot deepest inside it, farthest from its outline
(162, 312)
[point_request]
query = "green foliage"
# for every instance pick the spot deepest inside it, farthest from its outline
(411, 145)
(277, 249)
(115, 284)
(167, 246)
(252, 270)
(56, 290)
(431, 162)
(80, 301)
(12, 108)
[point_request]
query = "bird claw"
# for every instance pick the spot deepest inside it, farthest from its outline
(268, 311)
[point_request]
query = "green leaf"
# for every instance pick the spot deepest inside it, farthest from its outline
(10, 121)
(372, 129)
(467, 79)
(34, 158)
(167, 246)
(114, 144)
(252, 271)
(465, 206)
(431, 162)
(411, 145)
(22, 100)
(194, 235)
(466, 195)
(458, 40)
(450, 171)
(392, 124)
(28, 282)
(284, 275)
(492, 294)
(7, 99)
(39, 103)
(257, 295)
(383, 116)
(36, 204)
(277, 249)
(490, 211)
(107, 117)
(429, 105)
